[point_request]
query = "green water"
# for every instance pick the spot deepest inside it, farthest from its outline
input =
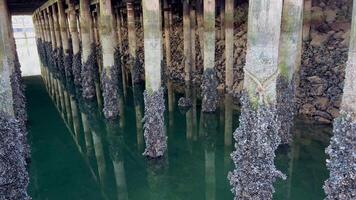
(95, 161)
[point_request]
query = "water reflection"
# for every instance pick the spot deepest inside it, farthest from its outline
(198, 156)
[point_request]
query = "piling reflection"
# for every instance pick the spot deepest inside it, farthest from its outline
(209, 131)
(116, 151)
(198, 156)
(228, 129)
(138, 104)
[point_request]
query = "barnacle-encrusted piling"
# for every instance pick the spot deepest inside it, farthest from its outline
(73, 28)
(154, 131)
(187, 41)
(59, 55)
(209, 85)
(66, 57)
(256, 141)
(342, 181)
(193, 25)
(306, 19)
(257, 137)
(342, 158)
(229, 44)
(109, 77)
(13, 144)
(134, 63)
(14, 178)
(119, 51)
(290, 48)
(200, 23)
(67, 51)
(88, 51)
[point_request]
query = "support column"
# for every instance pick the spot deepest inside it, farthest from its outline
(59, 59)
(44, 51)
(222, 19)
(6, 67)
(155, 137)
(67, 55)
(258, 120)
(307, 18)
(88, 51)
(109, 76)
(229, 44)
(192, 39)
(290, 50)
(73, 28)
(200, 22)
(131, 29)
(48, 50)
(167, 42)
(167, 34)
(51, 53)
(119, 41)
(14, 177)
(98, 58)
(187, 41)
(210, 82)
(341, 151)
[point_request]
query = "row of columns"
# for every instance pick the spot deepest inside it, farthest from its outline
(275, 33)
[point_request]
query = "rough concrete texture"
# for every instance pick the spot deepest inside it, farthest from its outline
(13, 174)
(76, 67)
(256, 141)
(341, 184)
(109, 86)
(286, 108)
(209, 90)
(154, 131)
(88, 74)
(324, 59)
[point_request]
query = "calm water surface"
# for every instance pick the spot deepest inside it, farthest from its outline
(83, 157)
